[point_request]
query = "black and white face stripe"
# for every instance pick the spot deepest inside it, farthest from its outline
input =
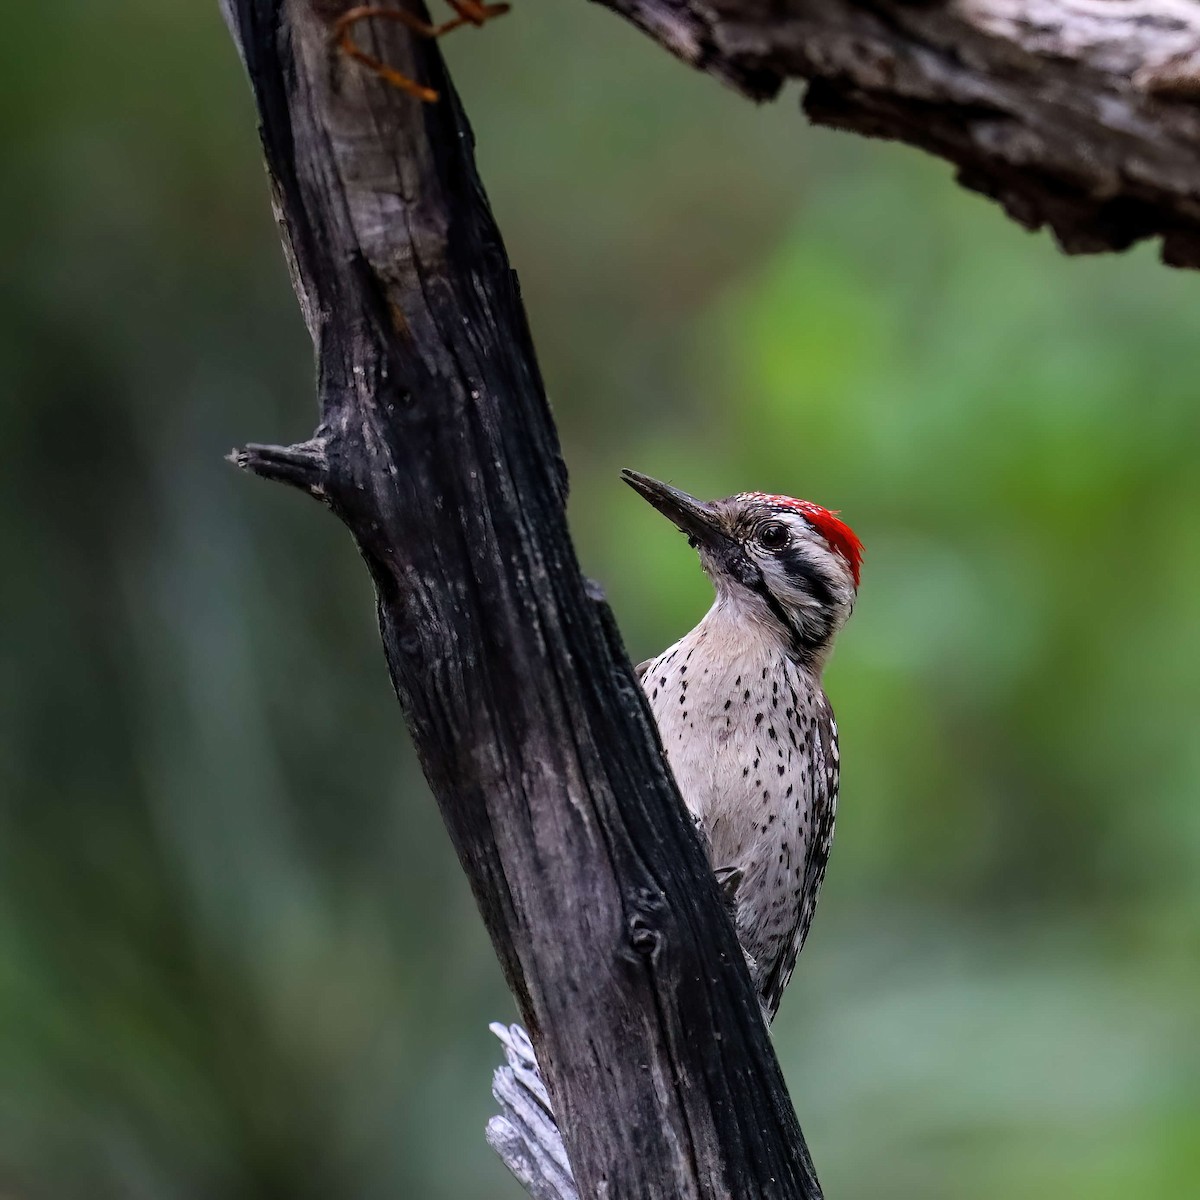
(816, 627)
(809, 627)
(806, 574)
(800, 641)
(792, 564)
(787, 565)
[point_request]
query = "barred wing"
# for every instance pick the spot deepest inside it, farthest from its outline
(823, 781)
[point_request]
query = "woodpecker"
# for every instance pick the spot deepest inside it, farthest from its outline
(752, 743)
(742, 713)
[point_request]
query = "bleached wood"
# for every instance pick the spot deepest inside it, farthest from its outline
(1079, 115)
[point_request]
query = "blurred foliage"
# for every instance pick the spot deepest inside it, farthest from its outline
(237, 956)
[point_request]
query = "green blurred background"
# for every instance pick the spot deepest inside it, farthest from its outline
(237, 955)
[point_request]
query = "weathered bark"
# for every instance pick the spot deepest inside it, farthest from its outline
(436, 448)
(1079, 115)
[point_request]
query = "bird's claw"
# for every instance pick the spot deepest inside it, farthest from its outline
(729, 879)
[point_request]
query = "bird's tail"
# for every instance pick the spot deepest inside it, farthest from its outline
(524, 1133)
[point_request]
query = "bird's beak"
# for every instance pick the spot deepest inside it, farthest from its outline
(694, 517)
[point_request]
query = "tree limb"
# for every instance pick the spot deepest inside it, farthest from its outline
(437, 450)
(1079, 115)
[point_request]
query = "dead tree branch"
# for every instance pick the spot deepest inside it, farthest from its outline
(436, 448)
(1079, 115)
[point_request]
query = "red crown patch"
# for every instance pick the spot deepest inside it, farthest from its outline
(841, 538)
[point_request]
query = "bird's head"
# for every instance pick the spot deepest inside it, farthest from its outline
(790, 565)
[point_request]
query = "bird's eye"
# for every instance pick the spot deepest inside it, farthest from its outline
(774, 536)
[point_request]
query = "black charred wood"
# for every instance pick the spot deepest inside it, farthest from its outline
(435, 446)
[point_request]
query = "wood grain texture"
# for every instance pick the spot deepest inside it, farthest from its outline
(1082, 116)
(435, 446)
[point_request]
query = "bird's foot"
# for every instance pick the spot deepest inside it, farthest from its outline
(729, 879)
